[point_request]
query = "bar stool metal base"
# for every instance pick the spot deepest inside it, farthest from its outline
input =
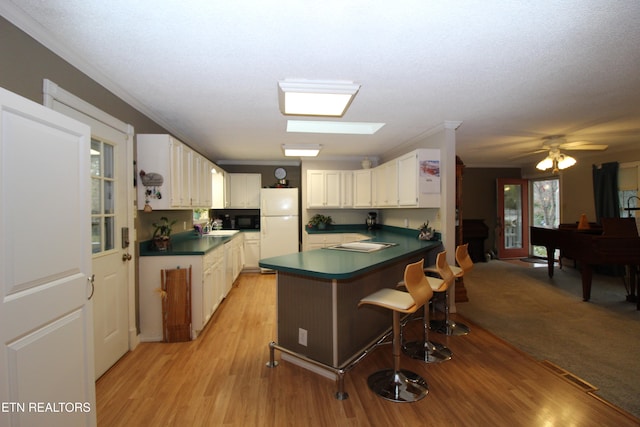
(429, 352)
(398, 386)
(451, 328)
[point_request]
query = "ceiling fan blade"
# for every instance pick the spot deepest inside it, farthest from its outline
(530, 153)
(583, 145)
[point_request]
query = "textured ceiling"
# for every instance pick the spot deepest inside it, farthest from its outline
(512, 72)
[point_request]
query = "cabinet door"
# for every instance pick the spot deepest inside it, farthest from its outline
(362, 188)
(386, 184)
(237, 190)
(218, 273)
(208, 298)
(408, 180)
(332, 189)
(315, 189)
(196, 179)
(346, 189)
(205, 183)
(252, 191)
(185, 175)
(176, 173)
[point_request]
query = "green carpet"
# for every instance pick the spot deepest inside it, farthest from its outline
(598, 341)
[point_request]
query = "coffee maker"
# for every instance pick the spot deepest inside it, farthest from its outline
(371, 220)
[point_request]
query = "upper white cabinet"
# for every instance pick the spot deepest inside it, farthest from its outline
(323, 189)
(419, 179)
(175, 175)
(362, 185)
(346, 189)
(386, 184)
(243, 190)
(409, 181)
(217, 188)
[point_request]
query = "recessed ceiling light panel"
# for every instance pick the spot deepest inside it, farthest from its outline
(301, 150)
(315, 98)
(347, 128)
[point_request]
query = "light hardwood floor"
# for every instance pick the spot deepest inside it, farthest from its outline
(221, 379)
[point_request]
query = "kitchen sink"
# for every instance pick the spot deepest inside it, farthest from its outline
(362, 246)
(222, 233)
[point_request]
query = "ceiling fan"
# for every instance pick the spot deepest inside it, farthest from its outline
(558, 160)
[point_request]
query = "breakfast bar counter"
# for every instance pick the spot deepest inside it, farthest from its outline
(318, 292)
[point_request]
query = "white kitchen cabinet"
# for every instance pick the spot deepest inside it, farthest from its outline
(419, 179)
(186, 176)
(346, 189)
(362, 185)
(238, 255)
(180, 169)
(386, 185)
(243, 190)
(217, 188)
(205, 182)
(251, 251)
(233, 260)
(323, 189)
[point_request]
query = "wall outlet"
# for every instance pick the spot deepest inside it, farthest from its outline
(302, 337)
(406, 223)
(184, 225)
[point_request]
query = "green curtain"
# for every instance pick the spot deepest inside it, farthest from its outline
(605, 191)
(605, 194)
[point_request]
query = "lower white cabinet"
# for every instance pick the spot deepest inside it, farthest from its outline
(233, 260)
(210, 284)
(251, 251)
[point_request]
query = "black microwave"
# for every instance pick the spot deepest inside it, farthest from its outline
(247, 222)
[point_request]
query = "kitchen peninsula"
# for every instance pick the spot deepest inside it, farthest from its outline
(318, 293)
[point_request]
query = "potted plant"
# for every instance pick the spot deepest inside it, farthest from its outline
(320, 221)
(162, 234)
(426, 233)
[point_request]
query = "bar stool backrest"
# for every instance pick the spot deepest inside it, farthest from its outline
(462, 257)
(443, 268)
(417, 283)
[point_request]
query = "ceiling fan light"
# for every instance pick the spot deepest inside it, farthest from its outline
(566, 161)
(545, 164)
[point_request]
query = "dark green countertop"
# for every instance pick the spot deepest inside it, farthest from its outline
(188, 243)
(336, 264)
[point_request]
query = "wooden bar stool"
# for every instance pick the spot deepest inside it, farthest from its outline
(399, 385)
(448, 327)
(426, 350)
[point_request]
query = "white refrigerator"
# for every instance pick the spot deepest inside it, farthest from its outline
(279, 232)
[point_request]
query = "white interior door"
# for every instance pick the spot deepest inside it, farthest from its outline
(111, 257)
(46, 320)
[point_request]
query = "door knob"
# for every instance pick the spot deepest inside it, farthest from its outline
(126, 257)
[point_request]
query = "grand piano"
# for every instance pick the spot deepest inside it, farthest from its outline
(615, 242)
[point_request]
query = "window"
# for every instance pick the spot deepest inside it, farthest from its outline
(545, 195)
(628, 184)
(102, 197)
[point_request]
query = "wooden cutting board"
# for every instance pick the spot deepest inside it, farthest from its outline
(176, 304)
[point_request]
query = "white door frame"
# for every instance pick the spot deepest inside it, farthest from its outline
(53, 92)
